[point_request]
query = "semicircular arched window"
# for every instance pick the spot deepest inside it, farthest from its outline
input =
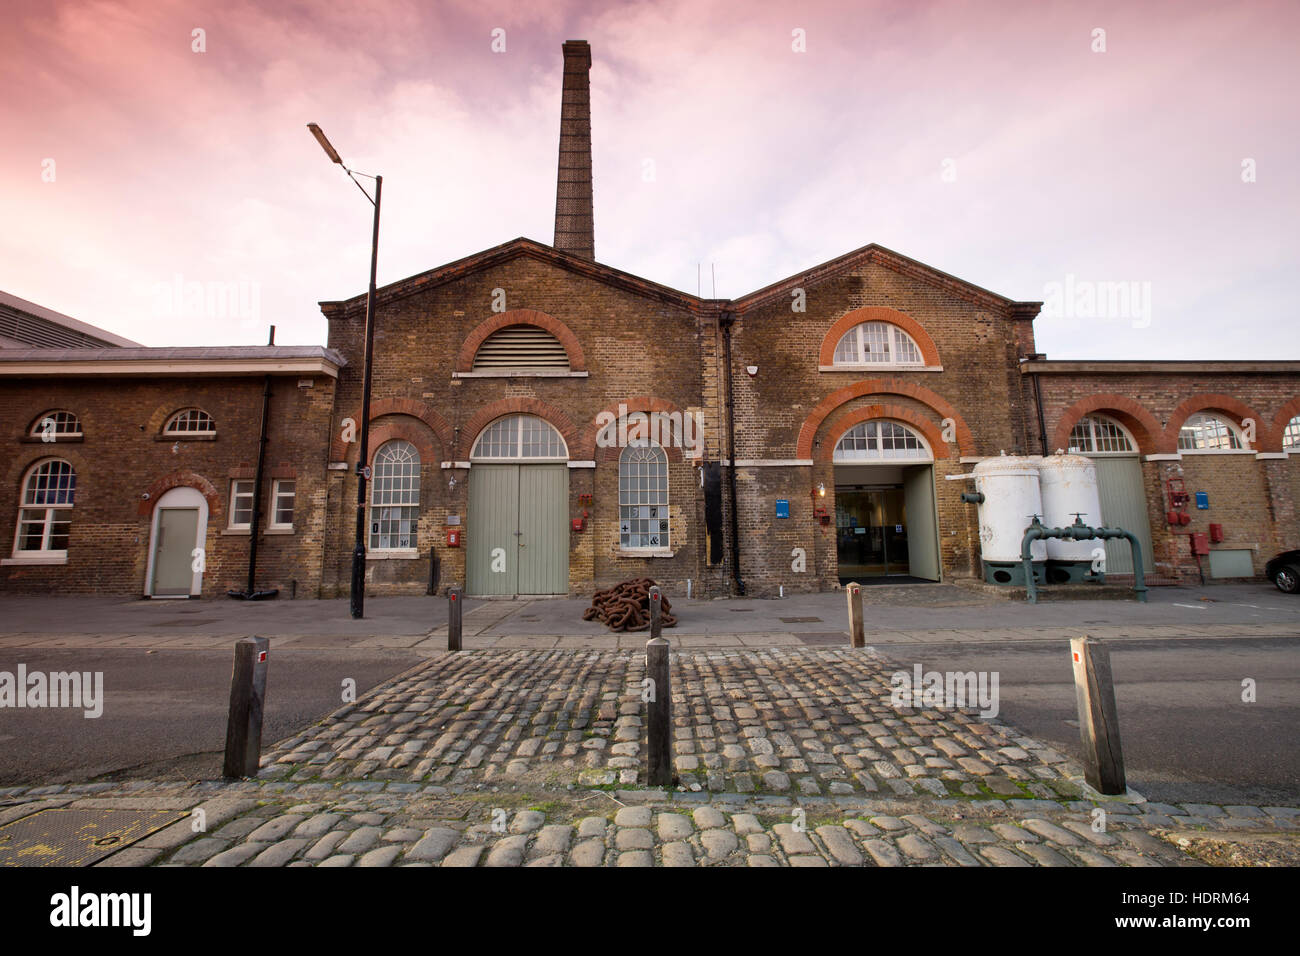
(395, 497)
(1204, 432)
(1099, 435)
(1291, 435)
(45, 512)
(877, 343)
(519, 347)
(519, 436)
(56, 425)
(190, 423)
(881, 440)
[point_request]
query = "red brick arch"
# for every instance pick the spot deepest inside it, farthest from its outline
(641, 403)
(581, 447)
(1237, 410)
(396, 431)
(577, 361)
(1146, 431)
(394, 406)
(1283, 418)
(875, 313)
(180, 479)
(842, 422)
(883, 386)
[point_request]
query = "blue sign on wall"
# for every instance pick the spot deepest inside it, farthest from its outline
(782, 508)
(1203, 500)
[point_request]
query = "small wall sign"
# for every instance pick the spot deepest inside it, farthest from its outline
(782, 507)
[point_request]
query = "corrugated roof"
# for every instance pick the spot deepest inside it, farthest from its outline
(66, 321)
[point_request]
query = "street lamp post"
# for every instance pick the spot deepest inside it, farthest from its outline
(358, 597)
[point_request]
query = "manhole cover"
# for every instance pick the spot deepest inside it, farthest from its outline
(63, 837)
(830, 637)
(741, 610)
(184, 623)
(801, 620)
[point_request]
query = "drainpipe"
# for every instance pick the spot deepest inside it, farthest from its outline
(250, 594)
(725, 321)
(1038, 405)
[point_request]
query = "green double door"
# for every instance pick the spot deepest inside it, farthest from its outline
(518, 534)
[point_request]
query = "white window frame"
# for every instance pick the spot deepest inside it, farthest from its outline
(44, 554)
(1199, 418)
(839, 456)
(235, 495)
(277, 492)
(1093, 420)
(1292, 429)
(634, 498)
(171, 431)
(518, 421)
(60, 418)
(377, 490)
(896, 334)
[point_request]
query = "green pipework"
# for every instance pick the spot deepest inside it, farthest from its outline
(973, 497)
(1078, 531)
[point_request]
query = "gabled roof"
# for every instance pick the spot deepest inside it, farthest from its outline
(31, 324)
(506, 252)
(890, 260)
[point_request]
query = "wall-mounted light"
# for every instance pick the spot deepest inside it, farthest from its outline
(752, 370)
(821, 490)
(176, 448)
(451, 483)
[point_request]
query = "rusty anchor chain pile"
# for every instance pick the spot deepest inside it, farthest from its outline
(626, 607)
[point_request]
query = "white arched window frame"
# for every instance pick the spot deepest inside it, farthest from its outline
(881, 440)
(877, 344)
(1291, 435)
(643, 523)
(49, 491)
(57, 425)
(1204, 434)
(395, 497)
(520, 436)
(190, 423)
(1100, 435)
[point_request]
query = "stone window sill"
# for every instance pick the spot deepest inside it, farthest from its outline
(54, 557)
(403, 555)
(644, 553)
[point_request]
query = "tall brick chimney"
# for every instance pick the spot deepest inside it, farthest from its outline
(575, 228)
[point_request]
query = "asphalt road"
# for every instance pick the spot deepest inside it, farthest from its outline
(1186, 733)
(164, 710)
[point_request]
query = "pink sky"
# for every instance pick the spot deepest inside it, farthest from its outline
(1122, 166)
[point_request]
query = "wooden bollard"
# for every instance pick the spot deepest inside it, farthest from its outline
(656, 612)
(659, 716)
(857, 637)
(247, 707)
(455, 602)
(1094, 692)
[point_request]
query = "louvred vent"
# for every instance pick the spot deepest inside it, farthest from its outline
(520, 346)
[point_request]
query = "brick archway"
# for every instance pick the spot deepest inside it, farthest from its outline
(1283, 418)
(180, 479)
(395, 431)
(339, 451)
(1237, 410)
(642, 403)
(581, 447)
(1146, 431)
(837, 426)
(875, 313)
(577, 361)
(883, 386)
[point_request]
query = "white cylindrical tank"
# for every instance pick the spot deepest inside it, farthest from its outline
(1009, 484)
(1069, 485)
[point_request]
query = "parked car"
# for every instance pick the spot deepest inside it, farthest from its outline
(1284, 571)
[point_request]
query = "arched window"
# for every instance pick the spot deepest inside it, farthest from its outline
(395, 497)
(55, 425)
(190, 423)
(643, 498)
(1203, 432)
(1098, 435)
(881, 440)
(877, 343)
(519, 436)
(45, 513)
(1291, 435)
(520, 346)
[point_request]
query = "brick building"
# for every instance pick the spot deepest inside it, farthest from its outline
(571, 425)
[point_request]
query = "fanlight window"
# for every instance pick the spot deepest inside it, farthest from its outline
(1207, 433)
(520, 346)
(877, 343)
(395, 497)
(1096, 435)
(877, 440)
(1291, 436)
(55, 425)
(192, 421)
(45, 517)
(519, 436)
(643, 497)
